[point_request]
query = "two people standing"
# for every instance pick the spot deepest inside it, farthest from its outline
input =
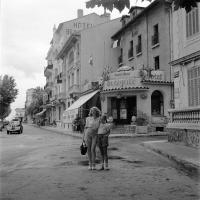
(96, 131)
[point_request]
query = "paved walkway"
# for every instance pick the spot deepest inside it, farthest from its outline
(185, 156)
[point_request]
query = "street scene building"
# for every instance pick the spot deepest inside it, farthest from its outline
(29, 99)
(185, 118)
(142, 83)
(116, 110)
(56, 72)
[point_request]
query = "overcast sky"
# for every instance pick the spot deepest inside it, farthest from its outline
(26, 31)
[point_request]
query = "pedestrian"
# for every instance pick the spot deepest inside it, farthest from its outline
(103, 133)
(90, 135)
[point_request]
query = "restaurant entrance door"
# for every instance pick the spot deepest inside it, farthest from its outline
(123, 109)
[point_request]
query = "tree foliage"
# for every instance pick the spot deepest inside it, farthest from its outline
(121, 4)
(36, 103)
(8, 94)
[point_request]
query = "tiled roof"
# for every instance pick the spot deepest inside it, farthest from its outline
(157, 82)
(127, 88)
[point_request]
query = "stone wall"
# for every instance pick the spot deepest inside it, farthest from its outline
(187, 136)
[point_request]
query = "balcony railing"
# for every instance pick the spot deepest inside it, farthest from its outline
(185, 116)
(74, 89)
(154, 75)
(48, 85)
(48, 70)
(154, 39)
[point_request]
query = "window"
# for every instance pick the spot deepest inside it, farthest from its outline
(139, 45)
(194, 86)
(59, 112)
(120, 58)
(157, 63)
(72, 78)
(192, 22)
(71, 58)
(130, 51)
(77, 75)
(155, 36)
(78, 49)
(69, 82)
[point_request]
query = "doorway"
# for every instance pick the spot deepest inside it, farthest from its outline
(123, 109)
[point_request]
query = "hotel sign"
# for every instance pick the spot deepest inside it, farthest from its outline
(122, 83)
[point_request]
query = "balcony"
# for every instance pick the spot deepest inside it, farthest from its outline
(139, 49)
(188, 118)
(154, 40)
(154, 75)
(74, 89)
(48, 85)
(62, 95)
(48, 70)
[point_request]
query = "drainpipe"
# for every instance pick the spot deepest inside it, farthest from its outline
(171, 47)
(147, 40)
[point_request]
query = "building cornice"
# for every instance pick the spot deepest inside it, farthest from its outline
(68, 44)
(154, 3)
(185, 59)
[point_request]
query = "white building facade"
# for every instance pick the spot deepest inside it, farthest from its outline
(185, 118)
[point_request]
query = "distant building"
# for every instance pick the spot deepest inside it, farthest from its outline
(20, 113)
(185, 118)
(86, 54)
(29, 100)
(56, 85)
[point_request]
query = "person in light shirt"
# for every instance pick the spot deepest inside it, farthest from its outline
(103, 133)
(90, 135)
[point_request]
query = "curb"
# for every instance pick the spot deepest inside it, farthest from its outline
(77, 135)
(189, 166)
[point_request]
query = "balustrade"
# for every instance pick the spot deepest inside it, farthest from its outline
(190, 116)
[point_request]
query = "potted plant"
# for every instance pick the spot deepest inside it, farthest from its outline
(141, 123)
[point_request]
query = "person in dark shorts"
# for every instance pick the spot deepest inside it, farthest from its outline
(103, 133)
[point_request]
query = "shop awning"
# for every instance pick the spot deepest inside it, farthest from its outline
(41, 113)
(83, 99)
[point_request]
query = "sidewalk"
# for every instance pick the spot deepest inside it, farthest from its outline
(79, 135)
(184, 156)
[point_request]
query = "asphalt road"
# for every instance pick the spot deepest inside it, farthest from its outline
(42, 165)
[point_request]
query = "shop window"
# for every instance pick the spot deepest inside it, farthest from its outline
(194, 86)
(157, 106)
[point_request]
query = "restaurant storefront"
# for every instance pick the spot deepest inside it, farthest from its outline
(127, 93)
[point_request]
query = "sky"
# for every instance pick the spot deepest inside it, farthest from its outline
(26, 31)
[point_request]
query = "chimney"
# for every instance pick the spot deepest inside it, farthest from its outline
(79, 13)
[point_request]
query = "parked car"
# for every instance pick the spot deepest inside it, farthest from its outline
(15, 126)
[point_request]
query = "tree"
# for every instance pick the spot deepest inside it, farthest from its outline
(8, 94)
(121, 4)
(37, 102)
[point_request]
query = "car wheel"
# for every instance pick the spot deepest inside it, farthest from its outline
(7, 132)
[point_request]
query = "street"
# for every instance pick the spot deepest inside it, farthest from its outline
(42, 165)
